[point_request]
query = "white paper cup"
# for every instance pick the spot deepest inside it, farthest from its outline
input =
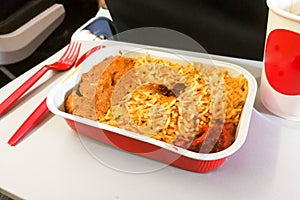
(280, 81)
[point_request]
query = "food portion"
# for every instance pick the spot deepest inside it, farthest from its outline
(189, 105)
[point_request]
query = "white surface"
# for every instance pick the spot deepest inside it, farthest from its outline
(51, 163)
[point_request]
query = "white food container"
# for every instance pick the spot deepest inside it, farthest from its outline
(139, 144)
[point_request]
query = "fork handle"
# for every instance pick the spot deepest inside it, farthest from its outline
(22, 89)
(29, 123)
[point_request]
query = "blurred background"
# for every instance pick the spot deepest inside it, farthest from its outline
(230, 28)
(77, 12)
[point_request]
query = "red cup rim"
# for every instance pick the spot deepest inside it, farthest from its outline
(282, 12)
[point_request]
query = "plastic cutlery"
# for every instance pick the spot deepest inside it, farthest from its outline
(42, 109)
(64, 63)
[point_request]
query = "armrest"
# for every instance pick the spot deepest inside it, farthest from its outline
(22, 42)
(23, 14)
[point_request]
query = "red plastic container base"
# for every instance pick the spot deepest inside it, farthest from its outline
(145, 149)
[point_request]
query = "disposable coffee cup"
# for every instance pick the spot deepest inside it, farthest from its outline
(280, 81)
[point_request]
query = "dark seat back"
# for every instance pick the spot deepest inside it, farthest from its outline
(232, 28)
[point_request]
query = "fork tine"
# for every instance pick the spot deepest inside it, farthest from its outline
(73, 46)
(67, 51)
(72, 57)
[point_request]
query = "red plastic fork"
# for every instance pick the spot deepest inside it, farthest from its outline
(42, 109)
(64, 63)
